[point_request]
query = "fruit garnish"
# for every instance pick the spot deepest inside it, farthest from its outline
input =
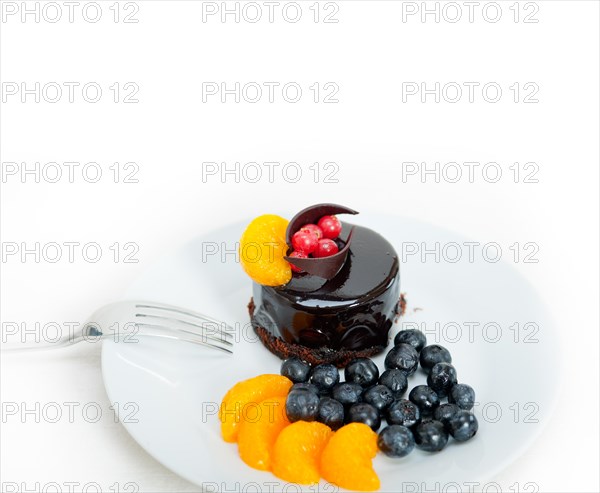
(413, 337)
(331, 227)
(463, 426)
(245, 394)
(306, 386)
(325, 377)
(285, 423)
(328, 261)
(442, 378)
(347, 393)
(395, 380)
(297, 451)
(362, 371)
(430, 436)
(297, 255)
(462, 395)
(403, 357)
(263, 247)
(312, 228)
(396, 441)
(325, 248)
(379, 396)
(304, 241)
(324, 267)
(295, 369)
(331, 413)
(364, 413)
(346, 459)
(444, 412)
(425, 398)
(259, 431)
(432, 355)
(301, 405)
(403, 412)
(310, 215)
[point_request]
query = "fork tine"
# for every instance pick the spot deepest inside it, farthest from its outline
(170, 333)
(181, 311)
(185, 322)
(174, 328)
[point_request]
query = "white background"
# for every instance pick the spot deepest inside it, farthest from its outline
(369, 133)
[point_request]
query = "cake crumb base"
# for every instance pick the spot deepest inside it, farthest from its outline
(314, 356)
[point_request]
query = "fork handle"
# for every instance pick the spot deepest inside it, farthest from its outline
(64, 341)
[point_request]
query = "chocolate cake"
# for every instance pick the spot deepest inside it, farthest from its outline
(333, 314)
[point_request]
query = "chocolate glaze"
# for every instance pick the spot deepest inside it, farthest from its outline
(352, 311)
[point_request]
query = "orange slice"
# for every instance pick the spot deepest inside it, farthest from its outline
(243, 398)
(347, 458)
(259, 430)
(262, 248)
(297, 451)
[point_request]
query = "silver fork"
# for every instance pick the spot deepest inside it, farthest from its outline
(125, 320)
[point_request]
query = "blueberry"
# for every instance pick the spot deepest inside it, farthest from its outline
(403, 412)
(395, 380)
(330, 413)
(403, 357)
(306, 386)
(347, 393)
(295, 369)
(301, 404)
(362, 371)
(414, 337)
(463, 426)
(431, 355)
(396, 441)
(426, 398)
(379, 396)
(444, 412)
(325, 377)
(463, 396)
(430, 436)
(364, 413)
(442, 378)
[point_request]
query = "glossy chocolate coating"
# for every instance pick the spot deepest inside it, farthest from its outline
(353, 311)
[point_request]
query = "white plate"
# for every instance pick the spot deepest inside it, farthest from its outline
(177, 387)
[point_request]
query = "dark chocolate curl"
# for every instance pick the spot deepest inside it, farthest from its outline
(311, 215)
(324, 267)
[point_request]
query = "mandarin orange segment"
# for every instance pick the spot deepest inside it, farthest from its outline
(297, 451)
(262, 248)
(245, 395)
(258, 431)
(346, 459)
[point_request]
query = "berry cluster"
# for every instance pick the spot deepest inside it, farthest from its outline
(316, 240)
(368, 397)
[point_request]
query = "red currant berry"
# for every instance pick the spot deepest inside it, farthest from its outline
(325, 248)
(331, 227)
(304, 242)
(312, 228)
(297, 255)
